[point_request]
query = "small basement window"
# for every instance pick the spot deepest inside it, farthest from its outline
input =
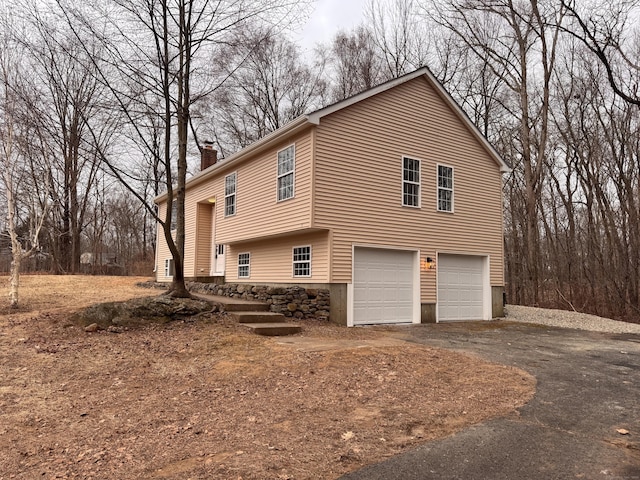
(244, 265)
(169, 268)
(302, 261)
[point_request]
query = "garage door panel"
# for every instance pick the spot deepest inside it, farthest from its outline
(383, 286)
(460, 287)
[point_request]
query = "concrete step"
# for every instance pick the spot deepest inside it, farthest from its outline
(276, 329)
(257, 317)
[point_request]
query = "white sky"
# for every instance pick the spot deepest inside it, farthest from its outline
(327, 18)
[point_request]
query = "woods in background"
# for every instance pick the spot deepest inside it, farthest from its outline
(553, 84)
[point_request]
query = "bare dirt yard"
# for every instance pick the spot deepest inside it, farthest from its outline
(205, 399)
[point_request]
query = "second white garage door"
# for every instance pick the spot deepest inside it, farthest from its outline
(383, 286)
(461, 293)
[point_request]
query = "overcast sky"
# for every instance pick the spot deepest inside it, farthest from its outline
(327, 18)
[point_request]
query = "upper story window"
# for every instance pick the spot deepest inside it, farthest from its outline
(174, 215)
(302, 261)
(445, 188)
(286, 173)
(410, 182)
(244, 265)
(230, 194)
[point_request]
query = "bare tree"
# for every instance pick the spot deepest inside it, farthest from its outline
(153, 61)
(268, 85)
(356, 62)
(400, 34)
(68, 99)
(518, 44)
(20, 198)
(604, 30)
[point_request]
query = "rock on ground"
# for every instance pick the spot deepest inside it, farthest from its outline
(140, 311)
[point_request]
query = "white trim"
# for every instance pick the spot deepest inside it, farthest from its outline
(487, 307)
(173, 226)
(234, 194)
(293, 261)
(156, 267)
(419, 182)
(292, 172)
(453, 188)
(486, 283)
(350, 304)
(168, 262)
(416, 280)
(248, 265)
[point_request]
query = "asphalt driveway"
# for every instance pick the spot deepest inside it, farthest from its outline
(588, 388)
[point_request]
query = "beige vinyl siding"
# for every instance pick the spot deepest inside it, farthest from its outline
(258, 213)
(358, 177)
(272, 260)
(203, 246)
(163, 250)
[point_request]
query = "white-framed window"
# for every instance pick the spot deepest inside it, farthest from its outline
(230, 182)
(302, 261)
(174, 215)
(244, 265)
(286, 173)
(169, 268)
(445, 188)
(410, 182)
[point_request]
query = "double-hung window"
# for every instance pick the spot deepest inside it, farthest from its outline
(168, 267)
(230, 194)
(174, 215)
(445, 188)
(302, 261)
(244, 265)
(410, 182)
(286, 173)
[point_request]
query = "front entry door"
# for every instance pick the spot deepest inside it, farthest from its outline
(217, 251)
(219, 259)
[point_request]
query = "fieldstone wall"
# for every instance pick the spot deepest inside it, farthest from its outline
(293, 301)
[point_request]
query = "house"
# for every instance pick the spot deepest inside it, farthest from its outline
(389, 201)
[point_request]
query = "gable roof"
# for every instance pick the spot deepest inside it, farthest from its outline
(314, 118)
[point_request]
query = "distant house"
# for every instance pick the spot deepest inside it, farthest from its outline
(99, 259)
(391, 200)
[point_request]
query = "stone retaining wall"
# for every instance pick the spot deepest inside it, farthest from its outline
(291, 301)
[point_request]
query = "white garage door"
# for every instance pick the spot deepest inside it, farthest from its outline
(460, 287)
(383, 286)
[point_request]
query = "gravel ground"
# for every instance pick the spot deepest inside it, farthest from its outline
(566, 319)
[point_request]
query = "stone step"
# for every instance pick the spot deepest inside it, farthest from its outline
(276, 329)
(245, 307)
(257, 317)
(233, 304)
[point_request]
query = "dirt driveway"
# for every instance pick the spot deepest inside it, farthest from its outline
(205, 399)
(583, 422)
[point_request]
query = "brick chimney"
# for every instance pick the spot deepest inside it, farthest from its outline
(208, 155)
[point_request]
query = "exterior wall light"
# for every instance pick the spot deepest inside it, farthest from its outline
(427, 263)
